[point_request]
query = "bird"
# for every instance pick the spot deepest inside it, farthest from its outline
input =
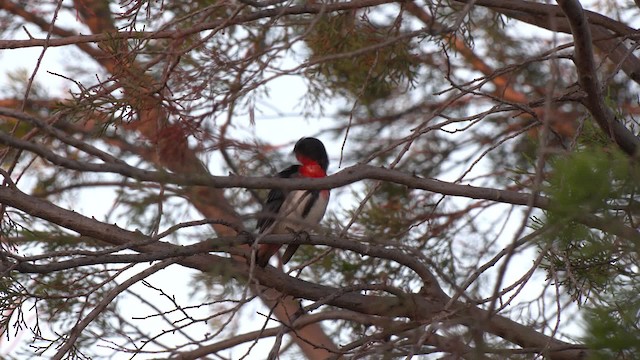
(294, 211)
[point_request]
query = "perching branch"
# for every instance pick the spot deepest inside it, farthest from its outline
(344, 177)
(422, 306)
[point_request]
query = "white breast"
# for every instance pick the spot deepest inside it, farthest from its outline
(290, 216)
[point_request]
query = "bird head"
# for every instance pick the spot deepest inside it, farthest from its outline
(310, 151)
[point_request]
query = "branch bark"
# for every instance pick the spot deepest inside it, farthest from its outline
(580, 23)
(608, 33)
(98, 36)
(206, 189)
(588, 78)
(416, 306)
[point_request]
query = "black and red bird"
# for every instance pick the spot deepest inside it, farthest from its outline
(287, 211)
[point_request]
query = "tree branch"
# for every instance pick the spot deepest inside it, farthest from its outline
(307, 8)
(346, 176)
(535, 8)
(86, 320)
(422, 306)
(299, 323)
(588, 78)
(550, 17)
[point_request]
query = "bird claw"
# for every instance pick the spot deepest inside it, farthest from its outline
(301, 235)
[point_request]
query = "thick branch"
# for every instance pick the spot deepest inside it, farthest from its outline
(608, 32)
(424, 306)
(307, 8)
(254, 335)
(535, 8)
(347, 176)
(580, 23)
(25, 265)
(588, 78)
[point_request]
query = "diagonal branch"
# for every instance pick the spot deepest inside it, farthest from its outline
(588, 78)
(581, 23)
(102, 305)
(541, 9)
(608, 32)
(299, 323)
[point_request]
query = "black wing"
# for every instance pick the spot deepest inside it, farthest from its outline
(275, 199)
(314, 197)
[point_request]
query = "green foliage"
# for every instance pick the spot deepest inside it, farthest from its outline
(612, 330)
(584, 261)
(593, 137)
(366, 75)
(589, 181)
(386, 215)
(11, 299)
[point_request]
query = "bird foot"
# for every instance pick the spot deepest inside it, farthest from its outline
(301, 235)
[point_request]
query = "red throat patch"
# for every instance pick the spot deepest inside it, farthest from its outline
(312, 170)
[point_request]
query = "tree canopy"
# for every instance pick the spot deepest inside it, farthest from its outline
(483, 177)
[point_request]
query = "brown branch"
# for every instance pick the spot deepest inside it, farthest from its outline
(535, 8)
(299, 323)
(423, 306)
(31, 17)
(308, 8)
(581, 23)
(24, 264)
(588, 78)
(502, 82)
(47, 128)
(608, 32)
(205, 184)
(102, 305)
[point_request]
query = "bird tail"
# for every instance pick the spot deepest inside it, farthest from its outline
(291, 249)
(265, 252)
